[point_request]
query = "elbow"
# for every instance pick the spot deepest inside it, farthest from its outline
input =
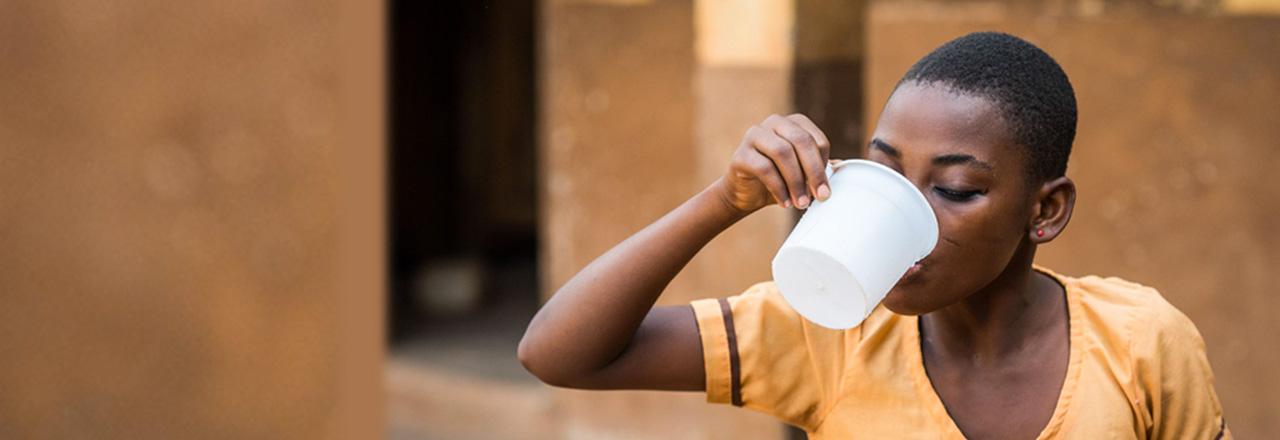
(535, 362)
(528, 358)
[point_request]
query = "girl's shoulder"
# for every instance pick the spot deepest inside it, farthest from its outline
(1127, 316)
(1120, 299)
(1153, 351)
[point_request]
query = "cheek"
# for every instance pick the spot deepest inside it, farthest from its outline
(976, 245)
(979, 225)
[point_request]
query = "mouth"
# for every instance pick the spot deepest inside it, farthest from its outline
(912, 271)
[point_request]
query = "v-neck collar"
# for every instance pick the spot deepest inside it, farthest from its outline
(915, 361)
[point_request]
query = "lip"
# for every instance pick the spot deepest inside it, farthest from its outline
(911, 272)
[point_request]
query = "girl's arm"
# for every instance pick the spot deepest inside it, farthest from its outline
(601, 331)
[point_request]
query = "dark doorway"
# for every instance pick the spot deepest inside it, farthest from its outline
(462, 168)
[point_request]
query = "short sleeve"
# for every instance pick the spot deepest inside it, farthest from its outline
(760, 354)
(1175, 379)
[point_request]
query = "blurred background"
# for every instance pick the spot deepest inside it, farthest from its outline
(169, 209)
(177, 201)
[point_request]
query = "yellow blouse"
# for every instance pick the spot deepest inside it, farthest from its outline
(1137, 369)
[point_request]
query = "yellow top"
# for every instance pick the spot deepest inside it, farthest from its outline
(1137, 368)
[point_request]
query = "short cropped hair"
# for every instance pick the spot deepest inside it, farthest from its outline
(1028, 87)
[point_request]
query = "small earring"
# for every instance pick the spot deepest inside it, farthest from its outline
(1040, 233)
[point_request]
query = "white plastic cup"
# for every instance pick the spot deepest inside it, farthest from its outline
(847, 252)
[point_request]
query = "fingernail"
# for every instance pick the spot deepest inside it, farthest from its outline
(786, 203)
(803, 202)
(823, 192)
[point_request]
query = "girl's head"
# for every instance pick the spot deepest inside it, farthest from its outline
(983, 125)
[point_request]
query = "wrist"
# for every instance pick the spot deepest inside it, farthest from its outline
(717, 195)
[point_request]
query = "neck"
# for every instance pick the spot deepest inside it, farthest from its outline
(998, 321)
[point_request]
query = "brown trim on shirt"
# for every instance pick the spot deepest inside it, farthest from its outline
(735, 368)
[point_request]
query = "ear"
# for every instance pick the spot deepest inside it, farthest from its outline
(1051, 209)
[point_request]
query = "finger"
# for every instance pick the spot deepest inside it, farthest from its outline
(783, 155)
(809, 154)
(807, 124)
(761, 168)
(817, 181)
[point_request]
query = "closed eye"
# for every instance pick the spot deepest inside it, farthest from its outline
(957, 195)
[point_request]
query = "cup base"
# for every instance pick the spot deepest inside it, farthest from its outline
(819, 288)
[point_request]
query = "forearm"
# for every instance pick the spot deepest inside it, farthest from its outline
(595, 315)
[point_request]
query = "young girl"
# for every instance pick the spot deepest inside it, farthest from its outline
(975, 341)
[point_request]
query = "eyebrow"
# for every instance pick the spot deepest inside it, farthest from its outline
(885, 147)
(961, 159)
(946, 159)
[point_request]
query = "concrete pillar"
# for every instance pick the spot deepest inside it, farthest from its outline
(615, 129)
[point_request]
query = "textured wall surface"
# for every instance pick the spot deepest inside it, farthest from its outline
(167, 206)
(1174, 159)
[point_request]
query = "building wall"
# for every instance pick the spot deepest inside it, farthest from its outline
(1174, 161)
(168, 202)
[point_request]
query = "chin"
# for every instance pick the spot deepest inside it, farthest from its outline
(900, 302)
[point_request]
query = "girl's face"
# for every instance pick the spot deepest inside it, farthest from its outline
(958, 151)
